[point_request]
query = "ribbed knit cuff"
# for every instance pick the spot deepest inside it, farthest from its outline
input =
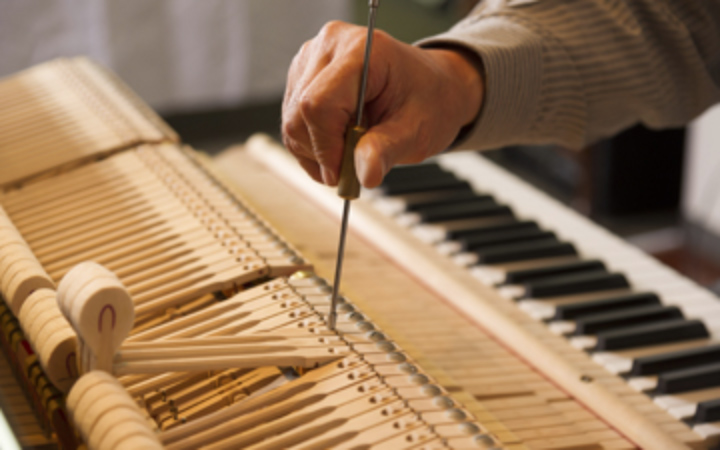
(512, 58)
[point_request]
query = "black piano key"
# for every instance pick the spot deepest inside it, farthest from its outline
(575, 310)
(523, 251)
(651, 334)
(401, 173)
(708, 411)
(510, 224)
(504, 237)
(693, 378)
(575, 283)
(464, 210)
(439, 196)
(625, 318)
(654, 364)
(452, 198)
(436, 183)
(420, 171)
(537, 273)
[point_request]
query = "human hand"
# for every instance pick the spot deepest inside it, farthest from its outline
(416, 102)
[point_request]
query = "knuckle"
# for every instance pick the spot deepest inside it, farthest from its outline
(300, 55)
(357, 41)
(287, 142)
(381, 37)
(306, 46)
(331, 28)
(288, 131)
(307, 49)
(295, 148)
(310, 106)
(291, 129)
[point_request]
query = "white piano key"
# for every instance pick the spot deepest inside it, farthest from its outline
(643, 383)
(408, 219)
(511, 291)
(670, 288)
(561, 327)
(671, 401)
(708, 431)
(488, 275)
(617, 367)
(688, 300)
(712, 327)
(430, 234)
(465, 259)
(448, 248)
(684, 404)
(654, 280)
(583, 342)
(708, 316)
(603, 357)
(536, 309)
(709, 320)
(681, 412)
(389, 206)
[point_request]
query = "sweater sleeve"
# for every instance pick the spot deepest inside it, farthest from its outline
(572, 72)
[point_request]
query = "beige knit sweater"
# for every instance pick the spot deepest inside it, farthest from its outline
(570, 72)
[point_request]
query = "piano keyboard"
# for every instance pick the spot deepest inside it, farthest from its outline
(662, 333)
(494, 245)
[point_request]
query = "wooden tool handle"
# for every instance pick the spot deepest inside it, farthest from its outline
(348, 185)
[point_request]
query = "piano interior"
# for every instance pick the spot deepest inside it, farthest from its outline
(155, 297)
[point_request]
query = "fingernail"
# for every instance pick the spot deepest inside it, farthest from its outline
(361, 166)
(328, 176)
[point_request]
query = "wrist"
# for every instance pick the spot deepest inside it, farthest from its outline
(465, 73)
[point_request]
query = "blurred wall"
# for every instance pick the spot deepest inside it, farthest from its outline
(179, 55)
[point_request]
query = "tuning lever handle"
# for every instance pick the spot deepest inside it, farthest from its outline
(348, 184)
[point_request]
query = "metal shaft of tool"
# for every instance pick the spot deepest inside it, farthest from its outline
(338, 266)
(366, 63)
(332, 317)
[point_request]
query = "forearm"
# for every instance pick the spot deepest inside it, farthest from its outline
(573, 72)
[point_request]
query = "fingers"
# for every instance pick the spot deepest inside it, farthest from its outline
(305, 65)
(320, 97)
(398, 140)
(416, 102)
(327, 108)
(311, 167)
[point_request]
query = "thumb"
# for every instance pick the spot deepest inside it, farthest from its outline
(383, 146)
